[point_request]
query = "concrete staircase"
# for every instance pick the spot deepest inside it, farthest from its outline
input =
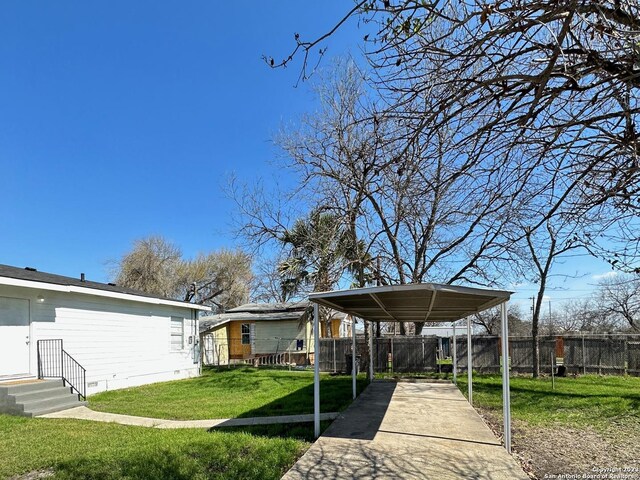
(37, 398)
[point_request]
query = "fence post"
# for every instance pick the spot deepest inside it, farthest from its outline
(354, 351)
(553, 373)
(370, 351)
(584, 357)
(423, 359)
(334, 356)
(455, 357)
(391, 354)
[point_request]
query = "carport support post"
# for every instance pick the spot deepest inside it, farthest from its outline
(316, 371)
(455, 356)
(371, 351)
(469, 362)
(353, 357)
(506, 395)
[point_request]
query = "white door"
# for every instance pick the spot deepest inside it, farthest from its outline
(14, 336)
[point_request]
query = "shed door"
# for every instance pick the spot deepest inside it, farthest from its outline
(14, 336)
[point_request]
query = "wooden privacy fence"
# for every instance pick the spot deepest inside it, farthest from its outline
(485, 355)
(521, 353)
(615, 355)
(398, 354)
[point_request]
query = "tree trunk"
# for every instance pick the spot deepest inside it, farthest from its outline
(535, 347)
(534, 330)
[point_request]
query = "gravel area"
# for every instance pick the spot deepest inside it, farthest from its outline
(584, 452)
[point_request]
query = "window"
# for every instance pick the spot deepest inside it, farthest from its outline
(177, 333)
(246, 334)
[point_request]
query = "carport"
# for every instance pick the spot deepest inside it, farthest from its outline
(424, 302)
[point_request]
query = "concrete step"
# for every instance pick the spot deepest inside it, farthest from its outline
(40, 407)
(57, 392)
(37, 398)
(39, 385)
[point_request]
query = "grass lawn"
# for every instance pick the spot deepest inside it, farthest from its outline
(230, 393)
(586, 422)
(76, 449)
(588, 400)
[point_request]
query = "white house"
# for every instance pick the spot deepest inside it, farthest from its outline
(120, 337)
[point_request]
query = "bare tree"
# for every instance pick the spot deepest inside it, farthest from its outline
(620, 299)
(267, 282)
(156, 266)
(546, 245)
(221, 279)
(151, 266)
(539, 85)
(586, 315)
(490, 321)
(426, 211)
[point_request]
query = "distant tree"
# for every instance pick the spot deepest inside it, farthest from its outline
(619, 298)
(221, 279)
(151, 266)
(582, 315)
(491, 322)
(267, 282)
(154, 265)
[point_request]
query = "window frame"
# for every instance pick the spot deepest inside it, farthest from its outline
(244, 334)
(176, 347)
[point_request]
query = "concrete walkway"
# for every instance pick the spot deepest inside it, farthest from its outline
(408, 430)
(84, 413)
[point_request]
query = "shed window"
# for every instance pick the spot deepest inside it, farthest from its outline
(177, 333)
(246, 334)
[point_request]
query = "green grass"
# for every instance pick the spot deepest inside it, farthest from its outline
(587, 400)
(298, 431)
(76, 449)
(230, 393)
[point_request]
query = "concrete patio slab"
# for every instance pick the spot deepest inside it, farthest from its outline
(408, 430)
(84, 413)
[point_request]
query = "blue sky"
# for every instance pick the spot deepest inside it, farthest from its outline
(122, 119)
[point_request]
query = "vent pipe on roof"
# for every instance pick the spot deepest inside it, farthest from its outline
(30, 269)
(82, 277)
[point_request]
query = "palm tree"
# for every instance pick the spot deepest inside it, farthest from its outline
(320, 250)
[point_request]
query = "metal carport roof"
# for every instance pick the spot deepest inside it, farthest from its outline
(422, 302)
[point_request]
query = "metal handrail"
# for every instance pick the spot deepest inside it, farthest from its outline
(55, 362)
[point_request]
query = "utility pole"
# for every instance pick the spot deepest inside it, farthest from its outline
(533, 307)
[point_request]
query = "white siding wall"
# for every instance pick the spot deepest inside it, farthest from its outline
(121, 343)
(278, 335)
